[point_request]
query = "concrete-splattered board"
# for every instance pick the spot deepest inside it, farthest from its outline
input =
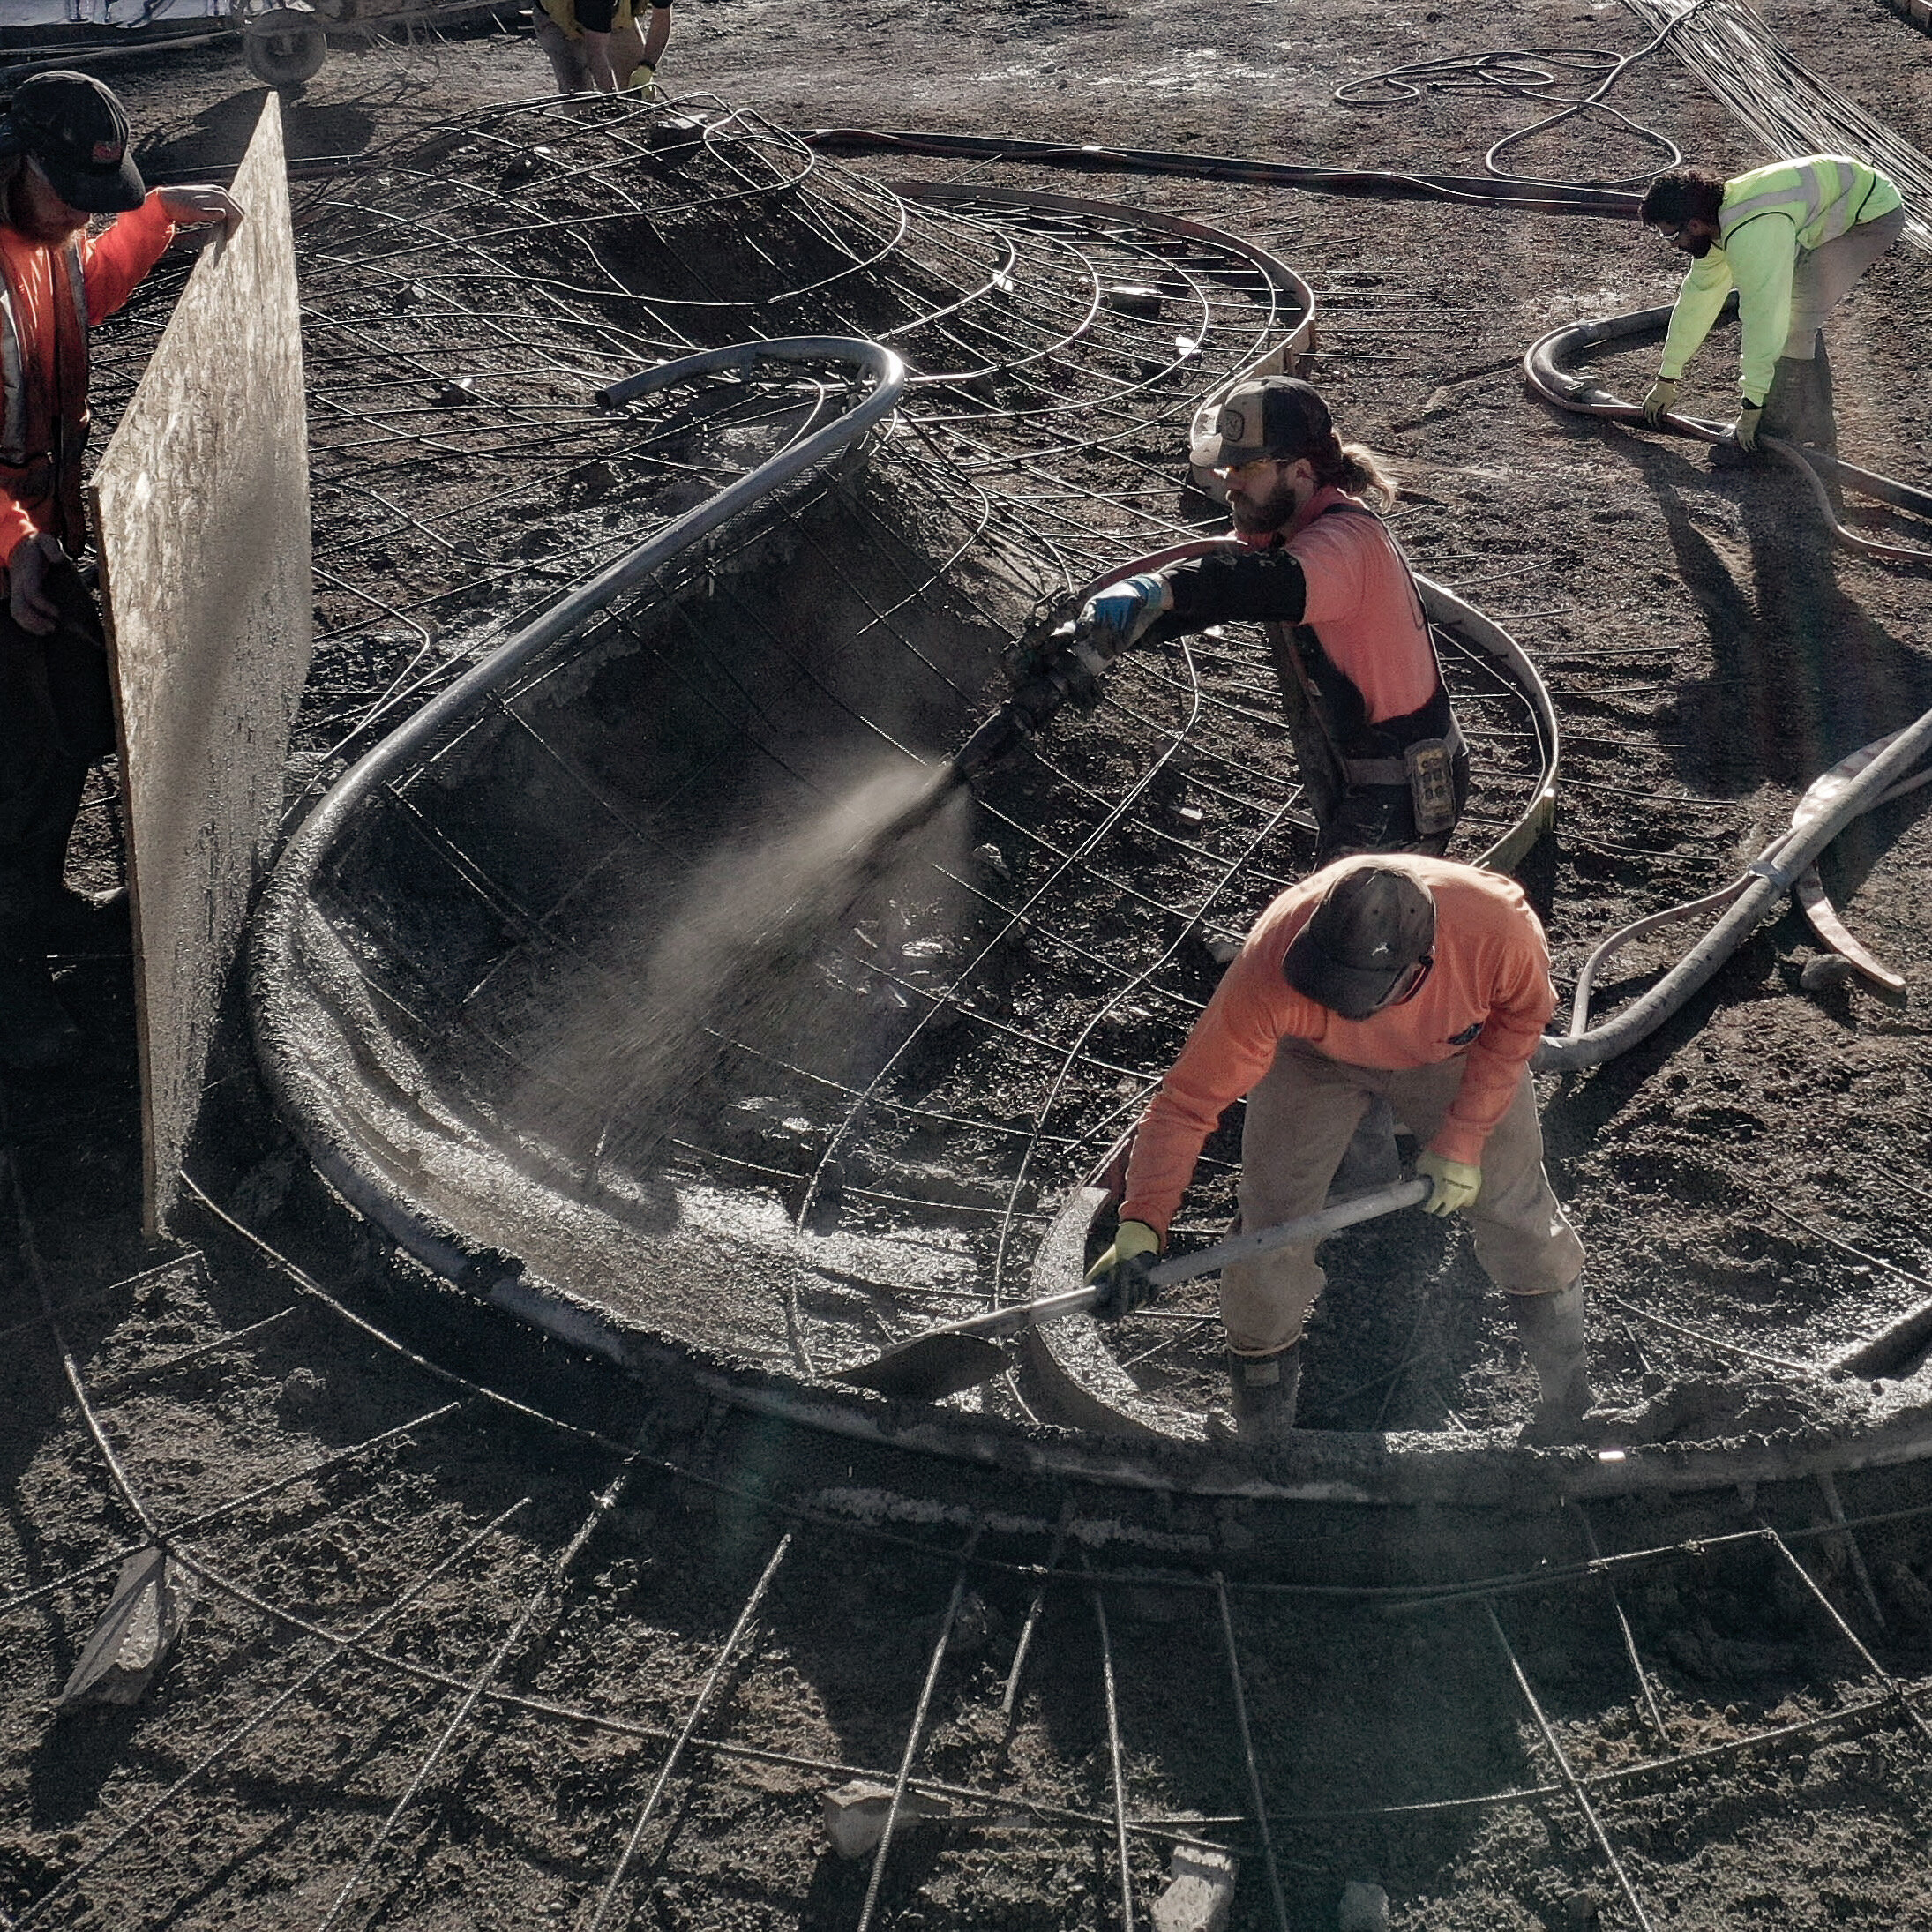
(201, 518)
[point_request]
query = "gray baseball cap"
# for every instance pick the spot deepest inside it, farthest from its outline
(78, 132)
(1280, 417)
(1373, 924)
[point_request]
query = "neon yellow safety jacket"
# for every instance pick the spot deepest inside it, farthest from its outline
(1766, 218)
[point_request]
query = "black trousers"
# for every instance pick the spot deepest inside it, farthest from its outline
(56, 718)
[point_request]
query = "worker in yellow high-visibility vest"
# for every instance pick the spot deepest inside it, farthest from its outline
(596, 45)
(1791, 239)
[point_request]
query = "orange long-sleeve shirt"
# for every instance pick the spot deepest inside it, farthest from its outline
(1487, 996)
(115, 262)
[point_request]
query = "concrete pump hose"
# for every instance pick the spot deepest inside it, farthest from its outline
(1779, 870)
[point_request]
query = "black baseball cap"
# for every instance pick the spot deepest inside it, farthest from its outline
(1279, 417)
(78, 132)
(1373, 924)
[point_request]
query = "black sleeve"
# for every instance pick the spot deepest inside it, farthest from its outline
(1229, 588)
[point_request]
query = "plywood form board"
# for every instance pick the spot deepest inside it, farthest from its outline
(201, 520)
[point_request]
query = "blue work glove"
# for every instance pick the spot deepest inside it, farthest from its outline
(1456, 1184)
(1120, 614)
(1121, 1273)
(1745, 430)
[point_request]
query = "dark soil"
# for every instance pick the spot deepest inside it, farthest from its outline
(1757, 1172)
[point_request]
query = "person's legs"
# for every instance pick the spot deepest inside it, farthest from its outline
(565, 55)
(1523, 1240)
(1299, 1119)
(1798, 407)
(40, 783)
(1823, 277)
(595, 18)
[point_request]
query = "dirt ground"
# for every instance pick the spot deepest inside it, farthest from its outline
(1758, 1169)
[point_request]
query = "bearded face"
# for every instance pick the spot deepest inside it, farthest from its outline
(33, 209)
(1261, 499)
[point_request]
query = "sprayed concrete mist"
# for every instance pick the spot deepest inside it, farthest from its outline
(737, 954)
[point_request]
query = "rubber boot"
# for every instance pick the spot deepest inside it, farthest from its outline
(1264, 1389)
(36, 1036)
(1826, 425)
(1550, 1329)
(1798, 406)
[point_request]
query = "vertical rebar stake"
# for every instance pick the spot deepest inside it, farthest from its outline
(1248, 1753)
(1623, 1624)
(1113, 1753)
(692, 1718)
(1829, 1489)
(1894, 1689)
(917, 1731)
(1054, 1551)
(1570, 1779)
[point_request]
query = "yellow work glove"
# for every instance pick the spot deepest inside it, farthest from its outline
(1745, 430)
(1456, 1185)
(643, 81)
(1660, 401)
(1121, 1273)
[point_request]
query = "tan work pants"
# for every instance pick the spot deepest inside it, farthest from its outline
(1300, 1118)
(1823, 277)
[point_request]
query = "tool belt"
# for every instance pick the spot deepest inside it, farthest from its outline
(1426, 768)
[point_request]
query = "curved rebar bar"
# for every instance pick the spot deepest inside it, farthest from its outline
(274, 962)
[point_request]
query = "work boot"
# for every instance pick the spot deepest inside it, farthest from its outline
(85, 922)
(1798, 405)
(1550, 1329)
(1263, 1388)
(36, 1036)
(1827, 423)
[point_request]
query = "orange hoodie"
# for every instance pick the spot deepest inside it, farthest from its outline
(115, 261)
(1487, 996)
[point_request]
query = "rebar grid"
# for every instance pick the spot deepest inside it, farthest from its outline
(1268, 1749)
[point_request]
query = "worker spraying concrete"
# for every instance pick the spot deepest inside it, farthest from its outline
(1413, 980)
(1383, 764)
(1792, 239)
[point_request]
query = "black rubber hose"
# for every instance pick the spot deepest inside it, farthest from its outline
(1480, 190)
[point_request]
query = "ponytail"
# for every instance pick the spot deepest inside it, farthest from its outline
(1355, 467)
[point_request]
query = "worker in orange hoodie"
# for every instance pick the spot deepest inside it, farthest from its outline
(63, 158)
(1404, 977)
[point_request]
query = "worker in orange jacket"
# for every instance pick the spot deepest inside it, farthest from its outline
(1405, 978)
(63, 158)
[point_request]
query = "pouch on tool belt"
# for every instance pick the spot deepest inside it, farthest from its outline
(1431, 785)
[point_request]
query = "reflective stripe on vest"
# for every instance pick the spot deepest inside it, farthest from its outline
(71, 405)
(1822, 192)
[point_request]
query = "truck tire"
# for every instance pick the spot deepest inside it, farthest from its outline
(285, 47)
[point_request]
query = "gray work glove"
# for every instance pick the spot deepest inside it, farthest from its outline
(1660, 401)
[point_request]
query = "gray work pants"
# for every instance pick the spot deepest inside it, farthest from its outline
(1823, 278)
(56, 720)
(567, 56)
(1299, 1119)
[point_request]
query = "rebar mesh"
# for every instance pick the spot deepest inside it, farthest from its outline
(956, 1038)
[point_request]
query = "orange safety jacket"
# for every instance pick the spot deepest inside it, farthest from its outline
(49, 297)
(1486, 999)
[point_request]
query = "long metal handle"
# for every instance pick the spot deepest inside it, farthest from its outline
(1237, 1247)
(1310, 1227)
